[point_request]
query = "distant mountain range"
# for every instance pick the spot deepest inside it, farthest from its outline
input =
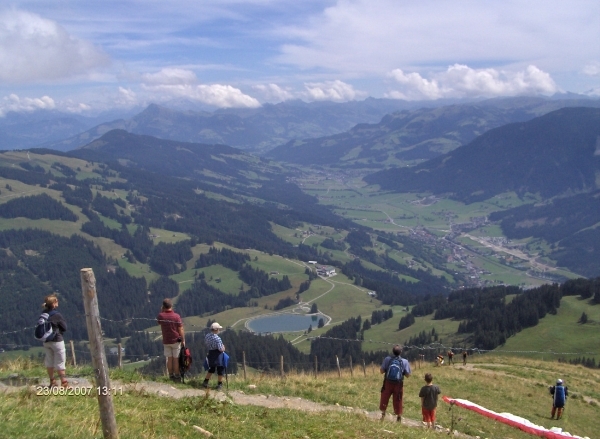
(255, 130)
(29, 130)
(409, 137)
(368, 133)
(550, 155)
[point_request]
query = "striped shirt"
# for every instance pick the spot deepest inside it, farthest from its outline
(213, 342)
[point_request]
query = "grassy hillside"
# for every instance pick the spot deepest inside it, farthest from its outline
(561, 333)
(502, 384)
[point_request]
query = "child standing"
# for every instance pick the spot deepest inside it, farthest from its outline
(429, 397)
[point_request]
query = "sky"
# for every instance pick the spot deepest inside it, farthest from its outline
(97, 55)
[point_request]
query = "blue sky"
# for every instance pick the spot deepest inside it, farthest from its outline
(95, 55)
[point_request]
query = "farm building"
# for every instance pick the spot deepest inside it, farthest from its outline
(325, 270)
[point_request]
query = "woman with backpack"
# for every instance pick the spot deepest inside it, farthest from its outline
(54, 345)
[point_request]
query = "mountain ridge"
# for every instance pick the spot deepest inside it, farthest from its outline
(255, 130)
(520, 157)
(409, 137)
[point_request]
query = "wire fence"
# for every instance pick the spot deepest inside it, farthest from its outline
(418, 353)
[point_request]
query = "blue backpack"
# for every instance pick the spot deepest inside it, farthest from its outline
(559, 396)
(44, 331)
(395, 371)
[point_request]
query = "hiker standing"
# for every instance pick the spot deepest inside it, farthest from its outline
(54, 348)
(214, 347)
(464, 354)
(395, 369)
(173, 337)
(429, 397)
(559, 398)
(450, 357)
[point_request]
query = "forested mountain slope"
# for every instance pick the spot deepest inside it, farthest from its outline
(415, 135)
(549, 155)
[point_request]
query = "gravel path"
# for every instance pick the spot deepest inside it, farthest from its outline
(236, 396)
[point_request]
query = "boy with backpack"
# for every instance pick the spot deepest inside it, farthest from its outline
(559, 398)
(429, 397)
(394, 368)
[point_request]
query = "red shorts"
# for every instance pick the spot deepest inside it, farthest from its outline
(428, 415)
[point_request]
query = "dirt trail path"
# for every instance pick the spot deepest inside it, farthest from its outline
(236, 396)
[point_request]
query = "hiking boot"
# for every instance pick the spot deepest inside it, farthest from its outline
(383, 416)
(219, 386)
(205, 384)
(398, 418)
(176, 378)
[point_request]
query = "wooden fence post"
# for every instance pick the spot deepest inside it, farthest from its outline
(364, 368)
(120, 356)
(281, 366)
(73, 358)
(351, 368)
(103, 388)
(244, 363)
(316, 366)
(337, 361)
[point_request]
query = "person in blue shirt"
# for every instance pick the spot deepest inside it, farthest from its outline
(393, 387)
(559, 398)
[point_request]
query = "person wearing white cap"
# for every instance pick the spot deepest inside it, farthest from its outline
(214, 346)
(559, 398)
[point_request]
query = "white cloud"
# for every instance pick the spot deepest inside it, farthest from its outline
(19, 105)
(363, 37)
(414, 86)
(126, 98)
(74, 107)
(33, 48)
(460, 81)
(337, 91)
(170, 76)
(592, 69)
(594, 92)
(273, 92)
(170, 83)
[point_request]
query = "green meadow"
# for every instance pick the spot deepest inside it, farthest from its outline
(504, 384)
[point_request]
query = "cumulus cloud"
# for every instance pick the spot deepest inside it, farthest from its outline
(414, 86)
(74, 107)
(33, 48)
(594, 92)
(19, 105)
(273, 93)
(460, 81)
(366, 36)
(170, 76)
(126, 98)
(181, 83)
(337, 91)
(592, 69)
